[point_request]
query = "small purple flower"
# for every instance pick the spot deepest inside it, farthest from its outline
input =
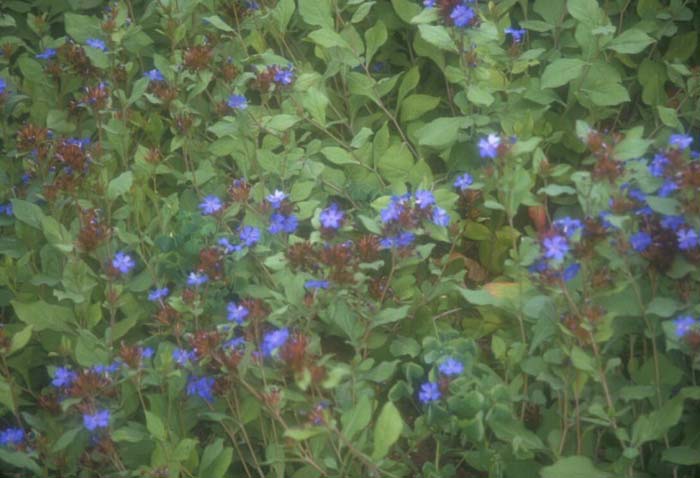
(687, 239)
(46, 54)
(331, 217)
(404, 239)
(429, 392)
(154, 75)
(658, 165)
(463, 182)
(281, 223)
(274, 340)
(96, 43)
(107, 369)
(667, 188)
(63, 377)
(183, 357)
(567, 225)
(680, 141)
(237, 102)
(3, 85)
(210, 205)
(316, 284)
(11, 436)
(158, 294)
(462, 15)
(284, 76)
(683, 325)
(538, 267)
(236, 312)
(429, 3)
(440, 217)
(672, 223)
(488, 147)
(6, 209)
(516, 33)
(451, 367)
(275, 199)
(123, 262)
(195, 279)
(249, 235)
(570, 272)
(228, 247)
(99, 419)
(147, 352)
(637, 195)
(555, 247)
(640, 241)
(391, 212)
(201, 386)
(424, 198)
(235, 343)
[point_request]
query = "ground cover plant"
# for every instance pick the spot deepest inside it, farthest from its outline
(349, 238)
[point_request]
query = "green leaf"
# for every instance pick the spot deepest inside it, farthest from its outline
(283, 12)
(66, 439)
(338, 155)
(607, 93)
(215, 460)
(415, 106)
(681, 455)
(479, 96)
(437, 36)
(440, 133)
(633, 146)
(56, 234)
(387, 430)
(375, 37)
(682, 47)
(406, 9)
(669, 117)
(328, 38)
(27, 212)
(666, 206)
(357, 418)
(20, 460)
(561, 71)
(586, 11)
(155, 426)
(20, 339)
(630, 42)
(43, 316)
(573, 467)
(218, 23)
(301, 434)
(652, 76)
(316, 12)
(81, 27)
(120, 185)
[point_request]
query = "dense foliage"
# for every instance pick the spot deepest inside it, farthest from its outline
(349, 238)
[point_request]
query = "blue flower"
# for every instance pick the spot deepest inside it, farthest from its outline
(237, 102)
(6, 209)
(63, 377)
(683, 325)
(404, 239)
(158, 294)
(424, 198)
(107, 369)
(3, 85)
(154, 75)
(687, 239)
(391, 212)
(672, 223)
(123, 262)
(567, 225)
(570, 272)
(47, 54)
(235, 343)
(463, 182)
(488, 147)
(196, 279)
(274, 340)
(281, 223)
(538, 267)
(183, 357)
(249, 235)
(440, 217)
(147, 352)
(201, 386)
(96, 43)
(316, 284)
(11, 436)
(210, 205)
(429, 392)
(658, 165)
(228, 247)
(275, 199)
(236, 312)
(284, 76)
(516, 33)
(640, 241)
(428, 3)
(667, 188)
(331, 217)
(99, 419)
(555, 247)
(680, 141)
(637, 195)
(451, 367)
(462, 15)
